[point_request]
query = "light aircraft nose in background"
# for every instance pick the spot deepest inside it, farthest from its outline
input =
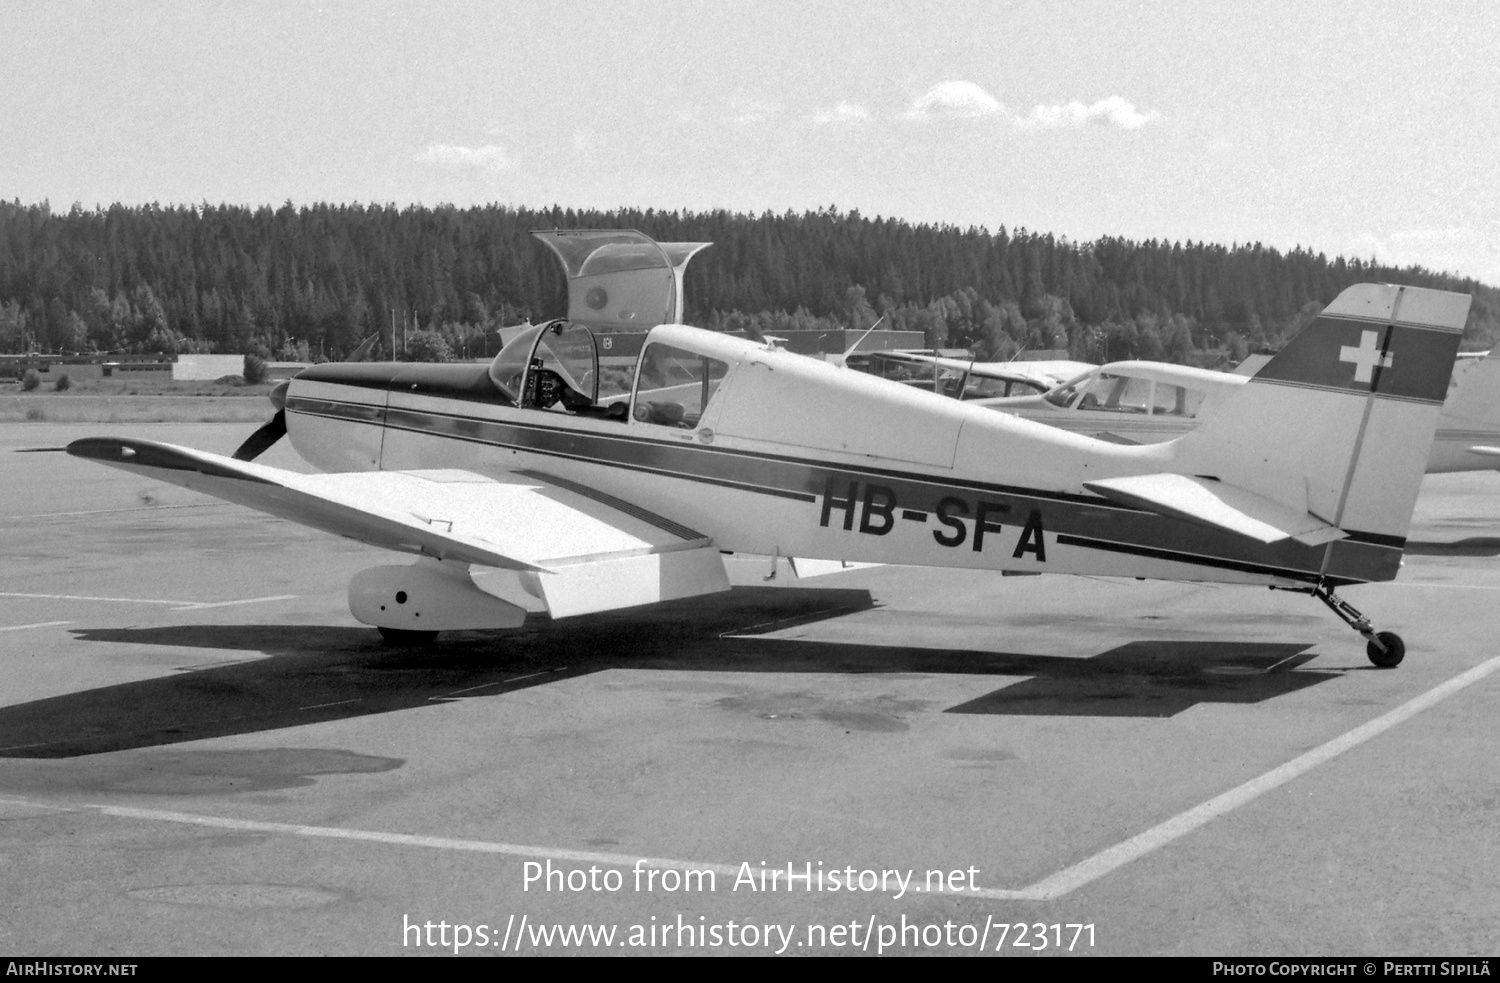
(602, 486)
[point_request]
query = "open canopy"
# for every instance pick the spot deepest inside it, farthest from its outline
(620, 278)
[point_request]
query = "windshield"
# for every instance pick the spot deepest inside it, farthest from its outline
(1065, 394)
(1116, 394)
(550, 366)
(508, 370)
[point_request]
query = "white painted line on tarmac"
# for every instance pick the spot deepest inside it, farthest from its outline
(373, 836)
(1047, 889)
(1294, 655)
(78, 597)
(1448, 586)
(770, 625)
(205, 605)
(498, 682)
(175, 605)
(442, 843)
(134, 508)
(1180, 825)
(38, 624)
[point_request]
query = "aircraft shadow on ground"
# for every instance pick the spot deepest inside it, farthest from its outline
(1472, 546)
(301, 675)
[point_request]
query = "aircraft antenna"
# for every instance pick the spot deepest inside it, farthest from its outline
(844, 359)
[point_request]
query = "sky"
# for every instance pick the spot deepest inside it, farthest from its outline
(1362, 129)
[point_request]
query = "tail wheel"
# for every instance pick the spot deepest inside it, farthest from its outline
(1395, 650)
(413, 639)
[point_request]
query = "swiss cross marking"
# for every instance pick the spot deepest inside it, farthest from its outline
(1365, 357)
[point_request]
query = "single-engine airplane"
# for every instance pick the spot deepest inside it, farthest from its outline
(606, 490)
(965, 379)
(1139, 402)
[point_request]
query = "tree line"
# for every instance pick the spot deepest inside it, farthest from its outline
(313, 281)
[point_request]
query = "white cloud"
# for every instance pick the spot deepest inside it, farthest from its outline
(748, 112)
(843, 112)
(963, 100)
(1459, 249)
(1113, 111)
(489, 158)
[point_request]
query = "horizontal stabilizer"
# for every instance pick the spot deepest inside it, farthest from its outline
(1214, 503)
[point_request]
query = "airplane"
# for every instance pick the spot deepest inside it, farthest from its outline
(599, 493)
(960, 378)
(1140, 402)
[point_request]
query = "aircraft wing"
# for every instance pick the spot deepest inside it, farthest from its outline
(1214, 503)
(588, 551)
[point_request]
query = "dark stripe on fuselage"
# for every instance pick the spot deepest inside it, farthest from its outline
(410, 420)
(944, 498)
(335, 409)
(620, 452)
(1156, 553)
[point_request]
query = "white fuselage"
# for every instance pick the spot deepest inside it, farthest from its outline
(795, 457)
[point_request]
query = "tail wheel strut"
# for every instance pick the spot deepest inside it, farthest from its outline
(1385, 648)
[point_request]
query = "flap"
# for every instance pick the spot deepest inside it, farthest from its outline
(521, 522)
(1214, 503)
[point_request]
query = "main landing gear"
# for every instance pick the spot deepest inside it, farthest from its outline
(1384, 648)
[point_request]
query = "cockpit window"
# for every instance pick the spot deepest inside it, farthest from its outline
(988, 387)
(1115, 394)
(1066, 394)
(1063, 395)
(553, 366)
(1130, 396)
(674, 385)
(508, 370)
(564, 367)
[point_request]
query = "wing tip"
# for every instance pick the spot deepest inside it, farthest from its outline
(108, 449)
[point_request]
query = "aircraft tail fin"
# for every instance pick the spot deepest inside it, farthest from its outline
(1339, 423)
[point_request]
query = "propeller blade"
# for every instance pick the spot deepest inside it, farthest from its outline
(261, 440)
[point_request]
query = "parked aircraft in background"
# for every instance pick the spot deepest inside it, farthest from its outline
(1149, 402)
(604, 491)
(964, 379)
